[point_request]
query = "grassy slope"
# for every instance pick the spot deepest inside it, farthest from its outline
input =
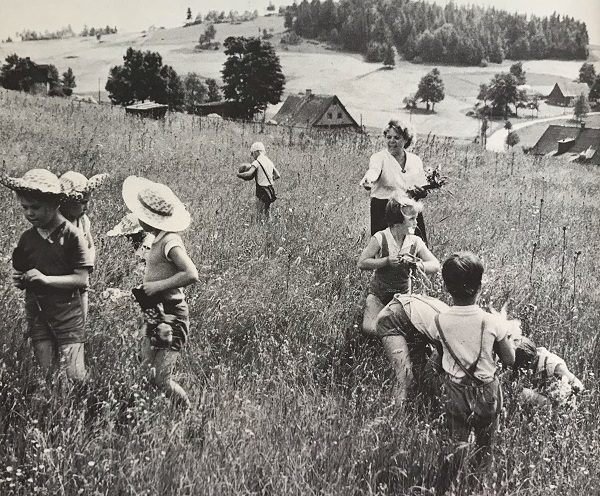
(369, 93)
(287, 399)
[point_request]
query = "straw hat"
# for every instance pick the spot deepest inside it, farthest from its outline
(75, 185)
(34, 181)
(155, 204)
(128, 225)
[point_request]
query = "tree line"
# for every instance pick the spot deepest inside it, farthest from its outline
(424, 32)
(31, 35)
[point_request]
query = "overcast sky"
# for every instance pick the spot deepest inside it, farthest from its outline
(137, 15)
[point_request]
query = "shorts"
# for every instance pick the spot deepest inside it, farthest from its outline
(57, 317)
(477, 406)
(180, 325)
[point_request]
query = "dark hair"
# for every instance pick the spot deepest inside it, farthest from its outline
(402, 128)
(462, 273)
(394, 210)
(525, 352)
(42, 197)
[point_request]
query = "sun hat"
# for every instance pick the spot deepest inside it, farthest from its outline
(126, 226)
(155, 204)
(257, 146)
(34, 181)
(75, 184)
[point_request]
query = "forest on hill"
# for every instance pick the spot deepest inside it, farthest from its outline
(424, 32)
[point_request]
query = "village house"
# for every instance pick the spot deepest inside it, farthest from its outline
(564, 94)
(575, 143)
(147, 109)
(41, 78)
(319, 111)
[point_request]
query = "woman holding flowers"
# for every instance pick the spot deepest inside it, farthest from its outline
(395, 172)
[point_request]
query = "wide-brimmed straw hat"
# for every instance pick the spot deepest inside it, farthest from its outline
(34, 181)
(75, 184)
(155, 204)
(128, 225)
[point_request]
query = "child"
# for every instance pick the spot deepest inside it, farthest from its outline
(168, 270)
(469, 336)
(78, 190)
(542, 366)
(52, 263)
(264, 173)
(394, 254)
(130, 228)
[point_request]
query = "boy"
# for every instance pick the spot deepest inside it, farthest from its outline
(168, 270)
(52, 263)
(264, 173)
(469, 337)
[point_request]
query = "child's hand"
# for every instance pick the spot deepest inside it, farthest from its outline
(393, 261)
(34, 275)
(19, 279)
(407, 259)
(151, 288)
(576, 384)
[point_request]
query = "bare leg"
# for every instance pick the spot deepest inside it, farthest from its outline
(372, 308)
(71, 361)
(45, 354)
(396, 349)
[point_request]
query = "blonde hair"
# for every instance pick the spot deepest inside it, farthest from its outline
(396, 209)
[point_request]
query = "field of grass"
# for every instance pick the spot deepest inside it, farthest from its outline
(370, 93)
(287, 398)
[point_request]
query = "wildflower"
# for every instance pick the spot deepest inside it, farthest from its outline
(91, 463)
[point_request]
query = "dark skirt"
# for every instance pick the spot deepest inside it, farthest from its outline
(378, 219)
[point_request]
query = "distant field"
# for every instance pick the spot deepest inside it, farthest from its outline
(370, 93)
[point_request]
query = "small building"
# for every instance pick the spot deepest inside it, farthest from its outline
(41, 77)
(227, 109)
(319, 111)
(147, 109)
(564, 94)
(575, 143)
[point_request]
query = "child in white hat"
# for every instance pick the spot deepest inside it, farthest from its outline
(264, 173)
(168, 270)
(51, 263)
(129, 227)
(78, 190)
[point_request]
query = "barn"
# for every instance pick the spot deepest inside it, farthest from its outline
(147, 109)
(319, 111)
(564, 94)
(41, 77)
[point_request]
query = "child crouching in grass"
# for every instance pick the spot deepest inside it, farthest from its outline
(168, 270)
(51, 263)
(469, 337)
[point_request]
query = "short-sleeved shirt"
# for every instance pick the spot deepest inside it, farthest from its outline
(84, 225)
(60, 254)
(462, 328)
(269, 168)
(544, 366)
(160, 266)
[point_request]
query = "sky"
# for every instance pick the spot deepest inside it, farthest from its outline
(138, 15)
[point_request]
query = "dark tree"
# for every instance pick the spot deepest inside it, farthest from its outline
(16, 73)
(595, 89)
(195, 91)
(214, 92)
(389, 56)
(206, 38)
(189, 14)
(251, 74)
(68, 79)
(431, 88)
(502, 92)
(587, 74)
(517, 71)
(512, 139)
(143, 77)
(581, 107)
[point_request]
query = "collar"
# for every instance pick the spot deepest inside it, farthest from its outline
(48, 234)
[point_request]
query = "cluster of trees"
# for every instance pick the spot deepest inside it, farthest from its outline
(143, 76)
(587, 74)
(428, 32)
(97, 31)
(21, 74)
(29, 35)
(205, 42)
(216, 17)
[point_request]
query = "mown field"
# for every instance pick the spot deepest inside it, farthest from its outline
(287, 398)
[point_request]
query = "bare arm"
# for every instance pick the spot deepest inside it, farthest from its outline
(188, 274)
(563, 372)
(373, 173)
(249, 174)
(79, 279)
(506, 351)
(429, 263)
(367, 260)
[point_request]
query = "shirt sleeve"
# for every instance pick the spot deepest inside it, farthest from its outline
(549, 361)
(78, 251)
(419, 245)
(421, 178)
(374, 171)
(171, 241)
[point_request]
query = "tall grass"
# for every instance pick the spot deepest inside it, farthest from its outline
(287, 398)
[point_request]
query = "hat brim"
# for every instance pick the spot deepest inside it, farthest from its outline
(125, 227)
(19, 185)
(93, 183)
(178, 221)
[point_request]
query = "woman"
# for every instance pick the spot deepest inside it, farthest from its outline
(395, 172)
(393, 253)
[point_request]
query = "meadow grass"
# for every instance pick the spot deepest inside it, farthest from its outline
(287, 397)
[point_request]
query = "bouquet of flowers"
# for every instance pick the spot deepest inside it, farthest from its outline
(435, 180)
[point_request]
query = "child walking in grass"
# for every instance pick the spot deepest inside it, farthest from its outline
(168, 270)
(78, 191)
(51, 263)
(469, 337)
(264, 173)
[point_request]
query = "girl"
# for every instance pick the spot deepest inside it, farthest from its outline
(393, 254)
(168, 270)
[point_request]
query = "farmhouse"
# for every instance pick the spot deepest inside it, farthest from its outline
(148, 109)
(576, 143)
(227, 109)
(40, 76)
(310, 110)
(564, 94)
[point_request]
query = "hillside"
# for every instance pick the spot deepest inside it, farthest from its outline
(287, 399)
(370, 93)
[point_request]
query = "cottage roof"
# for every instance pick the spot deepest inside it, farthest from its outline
(306, 110)
(586, 141)
(146, 106)
(573, 89)
(589, 138)
(548, 142)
